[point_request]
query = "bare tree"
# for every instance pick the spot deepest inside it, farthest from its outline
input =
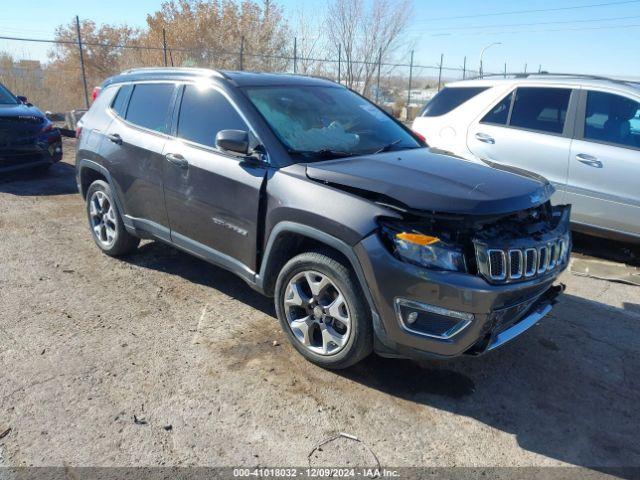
(311, 44)
(365, 34)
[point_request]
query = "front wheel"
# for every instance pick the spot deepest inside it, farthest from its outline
(106, 224)
(322, 310)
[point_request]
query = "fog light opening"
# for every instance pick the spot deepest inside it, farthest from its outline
(430, 320)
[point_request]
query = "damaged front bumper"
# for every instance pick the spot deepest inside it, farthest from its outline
(465, 313)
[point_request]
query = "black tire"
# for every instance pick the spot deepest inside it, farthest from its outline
(123, 242)
(360, 340)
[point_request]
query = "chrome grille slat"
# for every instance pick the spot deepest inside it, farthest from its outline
(531, 255)
(512, 264)
(516, 264)
(497, 264)
(543, 259)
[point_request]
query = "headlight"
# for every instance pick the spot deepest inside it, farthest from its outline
(428, 251)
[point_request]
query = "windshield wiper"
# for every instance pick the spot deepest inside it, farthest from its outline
(388, 146)
(323, 153)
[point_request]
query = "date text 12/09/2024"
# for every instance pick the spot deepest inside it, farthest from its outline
(320, 472)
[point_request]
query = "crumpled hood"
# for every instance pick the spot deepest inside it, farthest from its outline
(423, 179)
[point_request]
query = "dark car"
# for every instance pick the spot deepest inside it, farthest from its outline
(27, 138)
(366, 238)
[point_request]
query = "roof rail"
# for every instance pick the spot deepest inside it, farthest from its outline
(552, 74)
(172, 70)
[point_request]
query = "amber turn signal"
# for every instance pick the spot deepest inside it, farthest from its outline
(417, 238)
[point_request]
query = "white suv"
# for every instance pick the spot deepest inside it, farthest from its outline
(580, 132)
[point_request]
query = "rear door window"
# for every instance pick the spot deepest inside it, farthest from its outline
(149, 105)
(540, 109)
(449, 99)
(612, 119)
(203, 113)
(499, 115)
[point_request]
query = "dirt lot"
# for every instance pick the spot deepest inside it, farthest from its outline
(87, 342)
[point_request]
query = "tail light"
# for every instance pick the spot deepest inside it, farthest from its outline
(420, 136)
(78, 131)
(95, 93)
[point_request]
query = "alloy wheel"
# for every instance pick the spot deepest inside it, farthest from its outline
(317, 313)
(102, 215)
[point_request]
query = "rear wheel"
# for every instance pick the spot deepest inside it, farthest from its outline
(106, 224)
(322, 310)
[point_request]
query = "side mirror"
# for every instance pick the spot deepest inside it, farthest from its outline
(23, 99)
(236, 141)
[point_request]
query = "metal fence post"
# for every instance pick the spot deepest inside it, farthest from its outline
(241, 53)
(378, 80)
(464, 68)
(440, 71)
(295, 55)
(164, 45)
(339, 61)
(84, 75)
(410, 79)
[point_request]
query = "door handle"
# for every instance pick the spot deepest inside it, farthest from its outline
(483, 137)
(177, 159)
(115, 138)
(589, 160)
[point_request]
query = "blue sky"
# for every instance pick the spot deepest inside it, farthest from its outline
(568, 40)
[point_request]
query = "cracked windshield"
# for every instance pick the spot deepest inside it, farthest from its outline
(328, 121)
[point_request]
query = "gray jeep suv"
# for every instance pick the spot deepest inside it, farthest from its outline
(367, 239)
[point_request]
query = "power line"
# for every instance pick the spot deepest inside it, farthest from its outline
(537, 10)
(539, 31)
(529, 24)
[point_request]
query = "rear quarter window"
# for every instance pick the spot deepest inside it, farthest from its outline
(119, 104)
(450, 98)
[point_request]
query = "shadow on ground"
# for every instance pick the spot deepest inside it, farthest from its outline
(567, 390)
(59, 179)
(606, 249)
(167, 259)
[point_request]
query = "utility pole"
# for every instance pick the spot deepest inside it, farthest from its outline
(440, 70)
(241, 53)
(295, 55)
(505, 69)
(84, 75)
(378, 80)
(410, 80)
(464, 68)
(339, 62)
(164, 45)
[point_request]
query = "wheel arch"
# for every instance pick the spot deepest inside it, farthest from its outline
(90, 171)
(288, 239)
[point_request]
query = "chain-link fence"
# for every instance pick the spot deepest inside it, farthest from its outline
(66, 82)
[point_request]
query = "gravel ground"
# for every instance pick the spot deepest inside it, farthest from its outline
(89, 343)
